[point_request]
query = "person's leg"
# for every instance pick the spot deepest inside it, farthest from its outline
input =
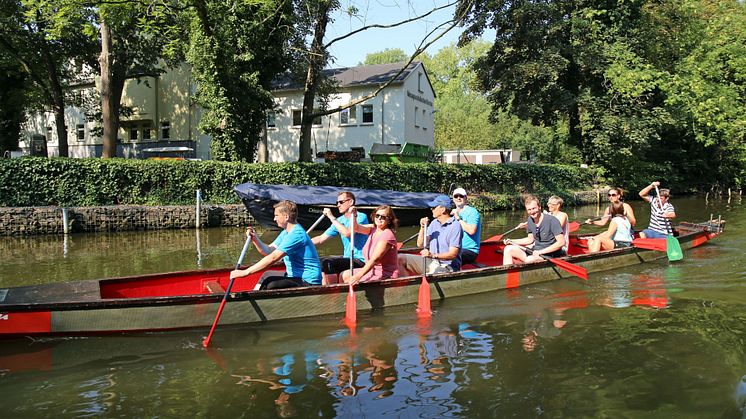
(467, 256)
(513, 254)
(284, 282)
(594, 244)
(607, 244)
(410, 264)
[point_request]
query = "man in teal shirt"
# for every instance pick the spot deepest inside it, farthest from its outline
(471, 224)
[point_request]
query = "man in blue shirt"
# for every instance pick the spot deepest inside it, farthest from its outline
(331, 267)
(293, 246)
(471, 224)
(443, 253)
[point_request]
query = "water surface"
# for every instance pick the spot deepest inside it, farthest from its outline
(653, 340)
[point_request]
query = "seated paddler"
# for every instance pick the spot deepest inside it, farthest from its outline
(545, 237)
(293, 246)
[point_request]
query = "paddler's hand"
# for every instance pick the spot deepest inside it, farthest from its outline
(328, 213)
(423, 222)
(237, 273)
(352, 211)
(250, 232)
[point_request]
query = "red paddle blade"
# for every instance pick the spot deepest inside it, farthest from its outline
(576, 270)
(650, 244)
(574, 226)
(351, 309)
(423, 299)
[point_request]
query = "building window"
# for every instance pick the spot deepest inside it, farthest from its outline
(419, 82)
(348, 116)
(297, 118)
(133, 134)
(416, 116)
(80, 130)
(423, 120)
(165, 130)
(49, 134)
(367, 114)
(146, 134)
(271, 119)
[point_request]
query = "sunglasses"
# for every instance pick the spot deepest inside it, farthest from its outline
(459, 196)
(382, 217)
(613, 194)
(343, 201)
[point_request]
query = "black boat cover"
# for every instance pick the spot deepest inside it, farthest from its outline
(327, 195)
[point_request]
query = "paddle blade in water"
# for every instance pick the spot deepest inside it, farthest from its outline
(351, 309)
(673, 249)
(576, 270)
(423, 299)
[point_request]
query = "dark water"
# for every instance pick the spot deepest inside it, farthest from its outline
(653, 340)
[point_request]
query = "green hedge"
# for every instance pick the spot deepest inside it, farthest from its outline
(93, 182)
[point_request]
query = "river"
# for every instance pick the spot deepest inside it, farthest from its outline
(655, 340)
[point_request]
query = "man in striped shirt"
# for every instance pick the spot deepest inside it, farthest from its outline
(661, 213)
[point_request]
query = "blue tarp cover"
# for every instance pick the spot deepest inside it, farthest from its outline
(327, 195)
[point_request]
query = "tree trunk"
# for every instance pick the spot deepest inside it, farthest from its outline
(58, 99)
(109, 103)
(316, 62)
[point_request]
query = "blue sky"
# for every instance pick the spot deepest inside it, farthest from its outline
(353, 50)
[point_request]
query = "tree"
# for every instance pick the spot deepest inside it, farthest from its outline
(606, 72)
(387, 56)
(317, 56)
(12, 103)
(236, 48)
(47, 40)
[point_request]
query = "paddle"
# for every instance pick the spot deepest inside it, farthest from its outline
(573, 227)
(351, 308)
(310, 229)
(409, 239)
(423, 294)
(206, 341)
(576, 270)
(673, 248)
(650, 244)
(498, 237)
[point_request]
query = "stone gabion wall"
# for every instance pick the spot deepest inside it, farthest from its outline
(49, 220)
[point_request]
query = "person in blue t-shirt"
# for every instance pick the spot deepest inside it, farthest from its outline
(293, 246)
(471, 224)
(333, 265)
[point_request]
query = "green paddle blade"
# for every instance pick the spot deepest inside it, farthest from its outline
(673, 249)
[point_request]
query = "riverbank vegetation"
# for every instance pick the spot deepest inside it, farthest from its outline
(640, 89)
(94, 182)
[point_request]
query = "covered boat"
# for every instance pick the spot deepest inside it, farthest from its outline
(311, 200)
(184, 300)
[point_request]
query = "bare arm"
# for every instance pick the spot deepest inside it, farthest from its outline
(321, 238)
(630, 214)
(644, 193)
(609, 233)
(262, 264)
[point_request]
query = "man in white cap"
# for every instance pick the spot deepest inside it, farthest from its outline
(471, 224)
(443, 239)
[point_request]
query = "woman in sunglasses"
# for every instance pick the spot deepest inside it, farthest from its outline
(615, 195)
(380, 250)
(619, 233)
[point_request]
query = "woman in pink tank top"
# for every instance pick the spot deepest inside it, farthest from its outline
(380, 250)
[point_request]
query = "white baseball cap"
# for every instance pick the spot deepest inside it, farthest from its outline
(459, 191)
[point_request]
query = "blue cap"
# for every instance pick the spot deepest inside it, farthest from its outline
(441, 201)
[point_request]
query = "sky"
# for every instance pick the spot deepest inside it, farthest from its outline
(352, 51)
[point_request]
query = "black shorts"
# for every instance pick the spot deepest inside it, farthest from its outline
(621, 245)
(467, 256)
(336, 264)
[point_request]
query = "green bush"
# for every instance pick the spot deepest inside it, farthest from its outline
(94, 182)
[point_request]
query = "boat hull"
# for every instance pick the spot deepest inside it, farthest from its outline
(191, 300)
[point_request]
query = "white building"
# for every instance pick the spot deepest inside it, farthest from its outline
(402, 112)
(164, 116)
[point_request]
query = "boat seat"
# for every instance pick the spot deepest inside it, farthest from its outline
(214, 287)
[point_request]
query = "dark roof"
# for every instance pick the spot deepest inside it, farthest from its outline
(354, 76)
